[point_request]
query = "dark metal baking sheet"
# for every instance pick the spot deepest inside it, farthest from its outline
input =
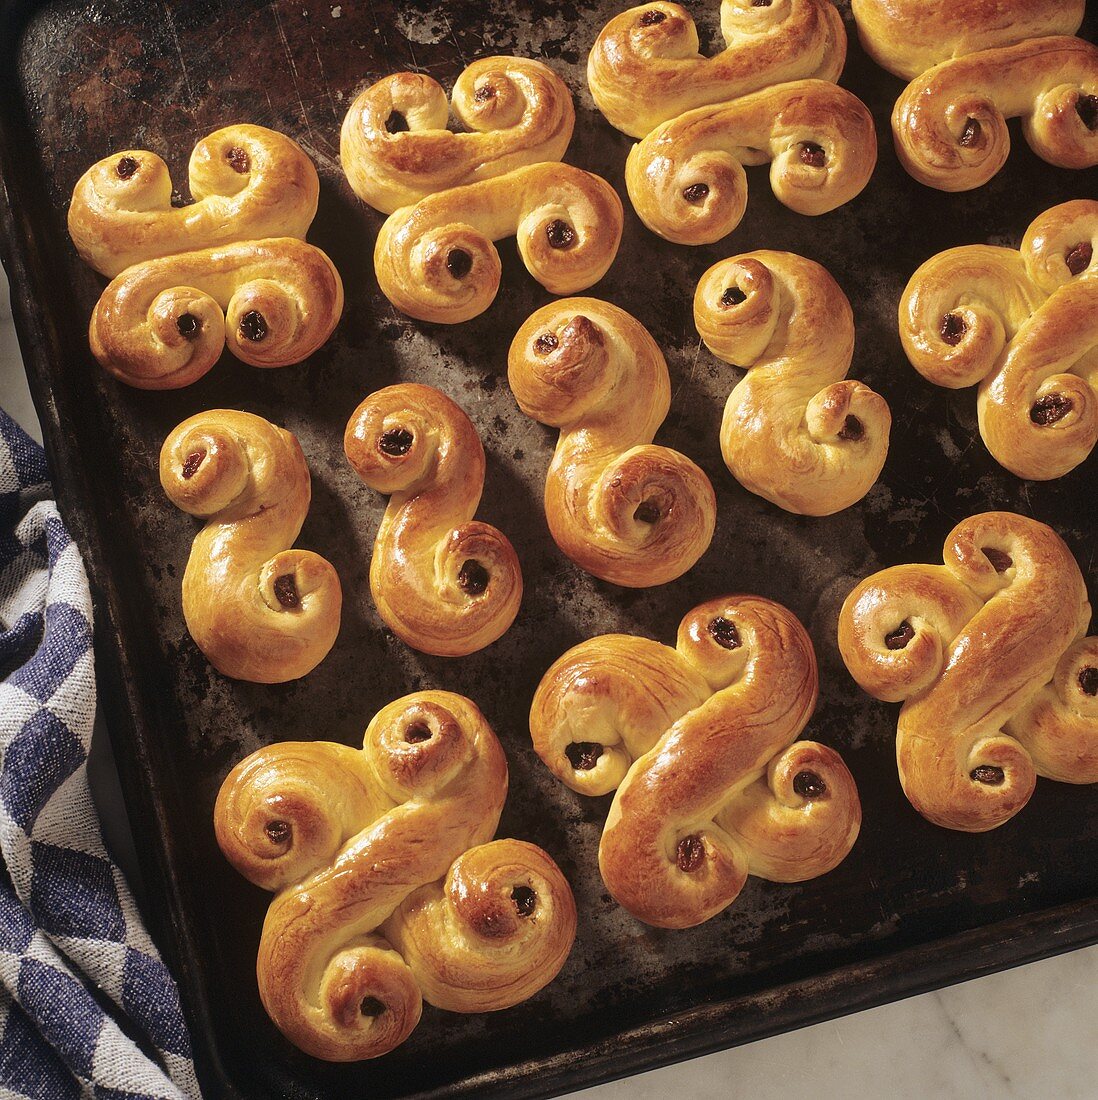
(912, 908)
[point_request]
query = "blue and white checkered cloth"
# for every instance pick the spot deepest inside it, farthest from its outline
(87, 1008)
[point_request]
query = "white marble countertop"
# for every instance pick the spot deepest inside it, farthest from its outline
(1028, 1032)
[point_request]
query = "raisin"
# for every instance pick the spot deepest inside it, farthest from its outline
(191, 464)
(253, 326)
(560, 234)
(583, 755)
(953, 328)
(900, 637)
(809, 785)
(690, 853)
(396, 442)
(238, 160)
(473, 578)
(459, 263)
(813, 155)
(285, 590)
(525, 900)
(1050, 408)
(724, 633)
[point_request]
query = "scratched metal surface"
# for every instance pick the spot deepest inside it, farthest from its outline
(94, 77)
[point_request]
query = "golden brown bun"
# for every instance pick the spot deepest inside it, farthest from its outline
(700, 742)
(620, 507)
(162, 324)
(950, 126)
(442, 581)
(396, 149)
(387, 892)
(435, 261)
(979, 314)
(248, 182)
(907, 37)
(988, 652)
(796, 430)
(257, 609)
(686, 178)
(645, 67)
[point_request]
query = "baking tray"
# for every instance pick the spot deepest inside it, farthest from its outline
(913, 907)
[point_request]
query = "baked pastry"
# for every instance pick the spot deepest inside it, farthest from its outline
(950, 123)
(645, 67)
(257, 609)
(989, 654)
(435, 261)
(162, 324)
(963, 310)
(686, 178)
(387, 892)
(395, 147)
(907, 37)
(443, 582)
(700, 742)
(619, 506)
(247, 182)
(796, 430)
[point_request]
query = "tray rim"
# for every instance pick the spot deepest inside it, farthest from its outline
(703, 1029)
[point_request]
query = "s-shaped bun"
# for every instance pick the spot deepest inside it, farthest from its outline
(701, 743)
(989, 655)
(396, 149)
(619, 506)
(389, 890)
(436, 262)
(444, 582)
(686, 178)
(950, 123)
(795, 430)
(257, 609)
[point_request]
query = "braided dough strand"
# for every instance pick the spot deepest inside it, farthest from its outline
(686, 178)
(258, 610)
(357, 844)
(248, 182)
(907, 37)
(701, 743)
(645, 67)
(950, 125)
(972, 646)
(795, 430)
(619, 506)
(443, 582)
(162, 324)
(395, 147)
(436, 262)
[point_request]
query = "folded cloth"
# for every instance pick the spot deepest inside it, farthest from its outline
(87, 1007)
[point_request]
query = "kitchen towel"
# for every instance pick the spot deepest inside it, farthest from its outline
(87, 1007)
